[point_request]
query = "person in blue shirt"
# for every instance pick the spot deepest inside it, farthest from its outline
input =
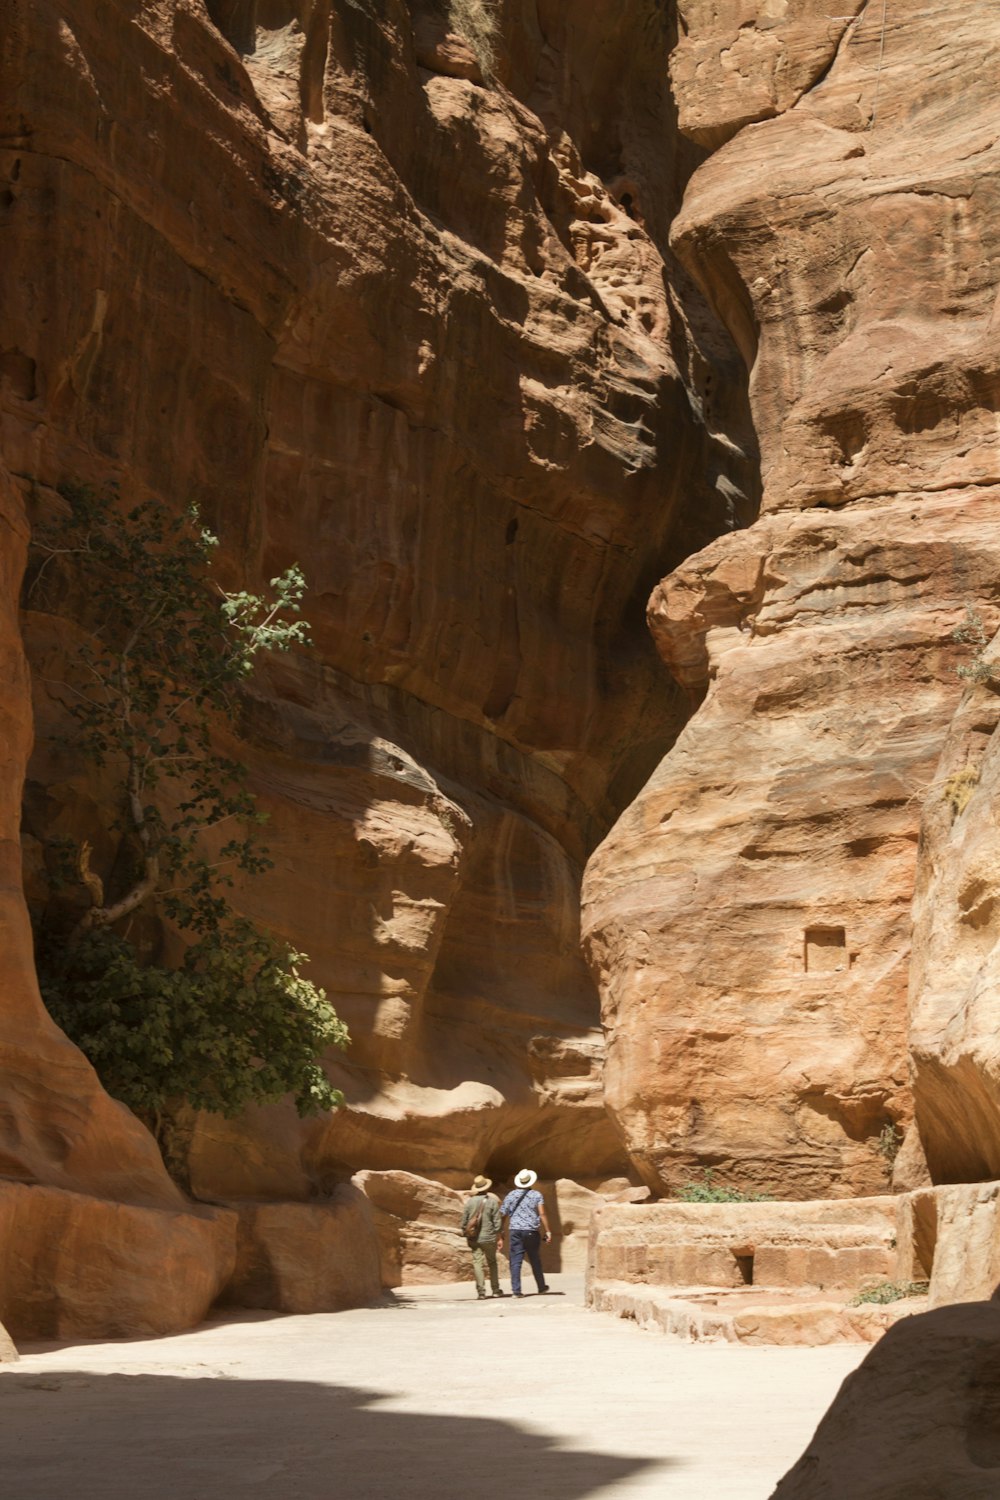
(524, 1208)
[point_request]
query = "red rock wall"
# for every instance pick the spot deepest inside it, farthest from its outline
(748, 918)
(303, 265)
(94, 1236)
(298, 264)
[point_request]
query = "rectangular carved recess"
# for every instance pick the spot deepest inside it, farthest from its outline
(825, 950)
(744, 1265)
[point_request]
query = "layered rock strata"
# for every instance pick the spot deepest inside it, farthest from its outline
(748, 918)
(414, 322)
(823, 1246)
(956, 939)
(791, 1272)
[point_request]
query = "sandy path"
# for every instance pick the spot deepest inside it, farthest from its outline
(433, 1395)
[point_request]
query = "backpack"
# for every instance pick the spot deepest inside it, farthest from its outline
(475, 1223)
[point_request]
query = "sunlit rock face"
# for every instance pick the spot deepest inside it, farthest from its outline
(956, 947)
(748, 918)
(305, 267)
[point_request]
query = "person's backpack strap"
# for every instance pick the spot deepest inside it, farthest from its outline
(475, 1222)
(517, 1205)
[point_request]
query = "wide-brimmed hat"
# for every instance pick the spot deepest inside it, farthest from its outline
(525, 1179)
(481, 1185)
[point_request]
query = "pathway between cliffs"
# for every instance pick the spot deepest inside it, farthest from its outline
(432, 1396)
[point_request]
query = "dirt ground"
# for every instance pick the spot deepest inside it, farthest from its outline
(432, 1396)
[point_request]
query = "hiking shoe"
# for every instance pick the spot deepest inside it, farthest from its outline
(543, 1289)
(499, 1294)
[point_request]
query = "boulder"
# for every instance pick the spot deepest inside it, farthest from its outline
(417, 1223)
(306, 1257)
(75, 1266)
(569, 1206)
(951, 1237)
(920, 1418)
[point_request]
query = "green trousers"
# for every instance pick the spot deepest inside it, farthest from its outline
(483, 1256)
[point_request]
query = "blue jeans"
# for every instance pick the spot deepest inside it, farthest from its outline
(525, 1242)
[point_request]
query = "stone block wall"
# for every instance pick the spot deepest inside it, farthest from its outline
(827, 1245)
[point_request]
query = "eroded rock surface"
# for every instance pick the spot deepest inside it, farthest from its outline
(306, 1257)
(748, 918)
(956, 942)
(306, 268)
(417, 1223)
(73, 1265)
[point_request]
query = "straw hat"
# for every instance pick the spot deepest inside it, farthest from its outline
(481, 1185)
(526, 1178)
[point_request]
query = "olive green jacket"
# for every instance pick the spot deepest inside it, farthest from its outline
(492, 1220)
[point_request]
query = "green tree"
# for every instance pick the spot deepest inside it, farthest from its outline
(234, 1021)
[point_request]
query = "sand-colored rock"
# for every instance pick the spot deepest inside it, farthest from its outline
(758, 1273)
(8, 1349)
(919, 1418)
(764, 1317)
(422, 334)
(306, 1257)
(748, 917)
(737, 61)
(570, 1207)
(417, 1222)
(427, 336)
(951, 1237)
(418, 1225)
(821, 1246)
(956, 941)
(73, 1266)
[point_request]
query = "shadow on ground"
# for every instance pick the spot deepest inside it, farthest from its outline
(113, 1437)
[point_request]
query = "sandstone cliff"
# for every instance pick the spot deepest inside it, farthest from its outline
(376, 304)
(451, 321)
(748, 919)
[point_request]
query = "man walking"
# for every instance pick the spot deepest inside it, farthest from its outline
(481, 1225)
(524, 1206)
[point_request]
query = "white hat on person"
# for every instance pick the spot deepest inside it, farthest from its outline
(526, 1178)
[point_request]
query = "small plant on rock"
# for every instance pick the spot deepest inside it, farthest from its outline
(958, 788)
(232, 1020)
(708, 1191)
(972, 632)
(889, 1141)
(890, 1291)
(477, 21)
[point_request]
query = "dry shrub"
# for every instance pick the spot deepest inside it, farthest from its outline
(959, 787)
(477, 21)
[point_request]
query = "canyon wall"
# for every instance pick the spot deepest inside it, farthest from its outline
(406, 314)
(456, 327)
(749, 917)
